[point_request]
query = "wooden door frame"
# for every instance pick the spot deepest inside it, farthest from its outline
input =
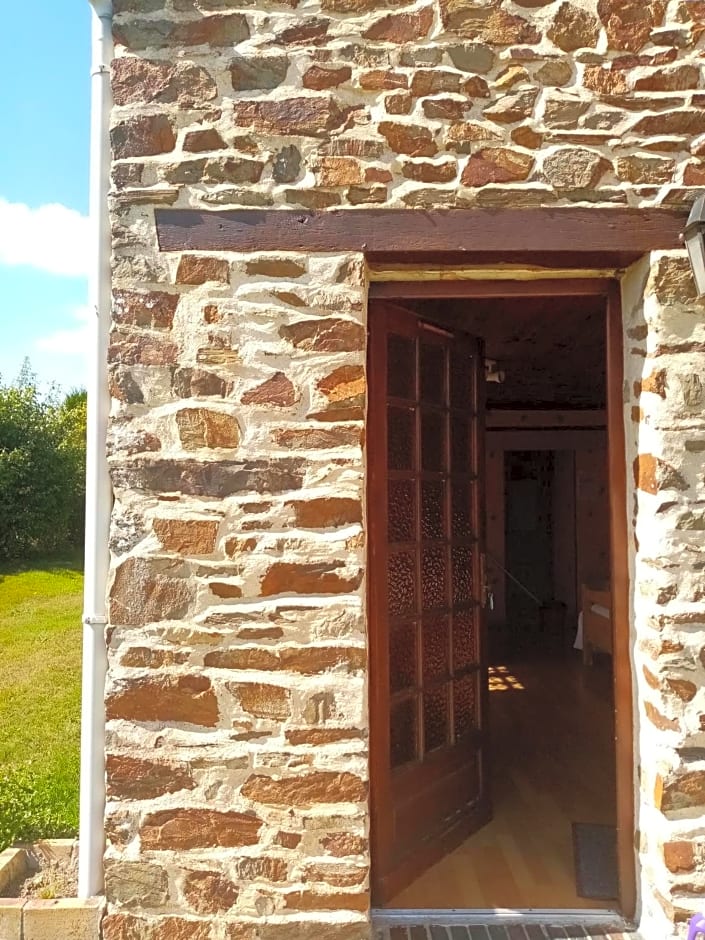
(609, 290)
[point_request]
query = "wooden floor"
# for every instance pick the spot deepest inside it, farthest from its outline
(552, 765)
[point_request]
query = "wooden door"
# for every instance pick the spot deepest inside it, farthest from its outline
(428, 682)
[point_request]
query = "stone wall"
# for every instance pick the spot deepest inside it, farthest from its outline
(665, 345)
(236, 697)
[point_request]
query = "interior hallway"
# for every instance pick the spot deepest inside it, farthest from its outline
(551, 725)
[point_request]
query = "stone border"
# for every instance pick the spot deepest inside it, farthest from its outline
(36, 919)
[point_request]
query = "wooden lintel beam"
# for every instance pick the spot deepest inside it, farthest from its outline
(416, 232)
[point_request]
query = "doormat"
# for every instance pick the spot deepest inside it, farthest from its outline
(595, 855)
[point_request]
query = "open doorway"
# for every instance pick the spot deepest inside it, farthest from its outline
(494, 772)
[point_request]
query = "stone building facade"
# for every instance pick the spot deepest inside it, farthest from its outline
(237, 741)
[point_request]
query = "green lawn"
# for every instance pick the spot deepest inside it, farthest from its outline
(40, 692)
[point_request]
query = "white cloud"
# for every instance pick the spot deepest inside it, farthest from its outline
(72, 341)
(52, 238)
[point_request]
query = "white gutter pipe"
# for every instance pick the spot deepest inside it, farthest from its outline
(98, 490)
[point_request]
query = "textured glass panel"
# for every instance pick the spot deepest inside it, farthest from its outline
(462, 573)
(402, 656)
(435, 648)
(435, 717)
(402, 729)
(433, 374)
(464, 640)
(432, 510)
(401, 428)
(460, 444)
(433, 576)
(461, 380)
(465, 704)
(461, 526)
(401, 583)
(401, 511)
(433, 432)
(401, 366)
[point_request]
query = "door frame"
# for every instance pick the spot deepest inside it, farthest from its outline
(609, 290)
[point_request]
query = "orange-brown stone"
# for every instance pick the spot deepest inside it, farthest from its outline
(264, 701)
(200, 141)
(325, 335)
(383, 79)
(425, 172)
(180, 829)
(320, 578)
(277, 391)
(320, 78)
(306, 790)
(487, 23)
(131, 927)
(275, 267)
(317, 438)
(408, 138)
(679, 856)
(339, 171)
(496, 165)
(573, 27)
(342, 844)
(201, 269)
(201, 427)
(143, 592)
(326, 512)
(263, 867)
(154, 309)
(136, 778)
(401, 27)
(166, 698)
(326, 901)
(187, 536)
(651, 474)
(209, 892)
(300, 117)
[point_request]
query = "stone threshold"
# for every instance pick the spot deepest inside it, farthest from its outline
(504, 925)
(38, 918)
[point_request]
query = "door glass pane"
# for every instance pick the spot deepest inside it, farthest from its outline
(402, 731)
(462, 574)
(433, 373)
(435, 717)
(401, 366)
(433, 440)
(464, 640)
(461, 495)
(433, 576)
(465, 705)
(402, 656)
(435, 649)
(460, 444)
(401, 435)
(461, 380)
(401, 511)
(401, 583)
(432, 510)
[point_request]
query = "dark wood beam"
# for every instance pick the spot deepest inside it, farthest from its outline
(391, 233)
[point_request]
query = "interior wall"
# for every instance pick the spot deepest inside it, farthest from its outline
(580, 512)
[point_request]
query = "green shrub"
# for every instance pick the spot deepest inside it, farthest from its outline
(42, 475)
(29, 810)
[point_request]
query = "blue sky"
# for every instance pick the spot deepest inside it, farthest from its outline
(45, 108)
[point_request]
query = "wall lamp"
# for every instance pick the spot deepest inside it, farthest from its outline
(694, 238)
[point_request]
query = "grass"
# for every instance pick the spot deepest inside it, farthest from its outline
(40, 693)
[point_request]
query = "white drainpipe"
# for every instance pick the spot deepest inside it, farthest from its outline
(98, 491)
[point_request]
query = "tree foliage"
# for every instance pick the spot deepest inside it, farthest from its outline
(42, 468)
